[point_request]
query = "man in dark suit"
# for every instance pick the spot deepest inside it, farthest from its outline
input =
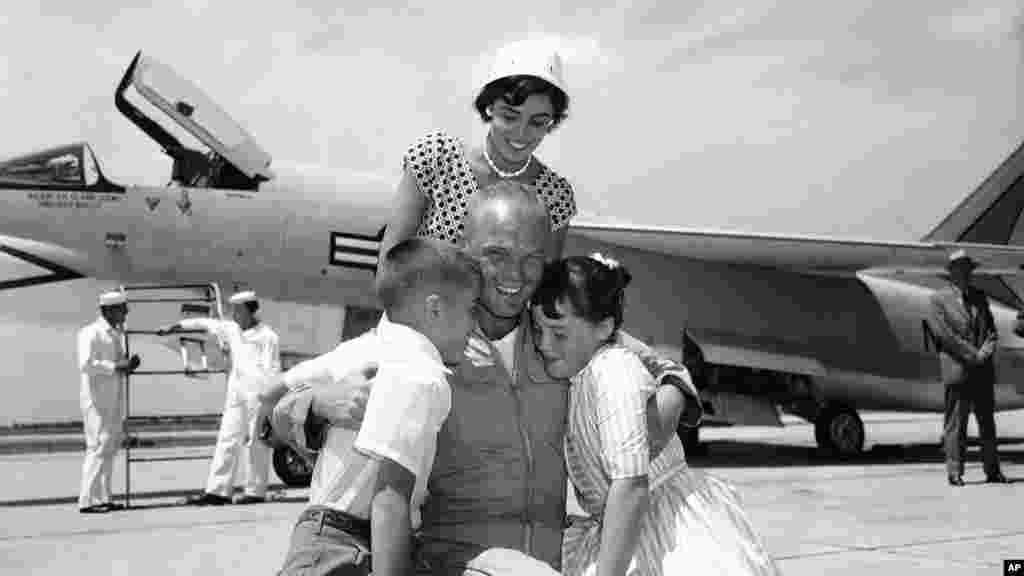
(966, 334)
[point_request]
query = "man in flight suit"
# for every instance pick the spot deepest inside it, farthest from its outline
(497, 490)
(966, 335)
(255, 361)
(103, 365)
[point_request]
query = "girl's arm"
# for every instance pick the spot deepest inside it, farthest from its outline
(626, 505)
(409, 205)
(620, 388)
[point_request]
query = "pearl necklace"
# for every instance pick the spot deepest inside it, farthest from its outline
(502, 174)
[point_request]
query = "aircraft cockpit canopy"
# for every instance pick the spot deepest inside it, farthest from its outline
(234, 160)
(71, 166)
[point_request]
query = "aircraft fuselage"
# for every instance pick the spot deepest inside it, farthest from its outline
(863, 342)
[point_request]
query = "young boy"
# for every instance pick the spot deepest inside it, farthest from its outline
(371, 489)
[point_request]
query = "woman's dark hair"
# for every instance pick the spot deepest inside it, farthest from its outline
(594, 289)
(514, 90)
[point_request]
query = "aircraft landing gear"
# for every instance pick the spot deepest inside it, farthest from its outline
(291, 468)
(839, 430)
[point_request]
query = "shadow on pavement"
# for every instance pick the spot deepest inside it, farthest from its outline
(277, 493)
(752, 454)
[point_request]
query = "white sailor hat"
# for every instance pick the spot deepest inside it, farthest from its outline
(961, 256)
(113, 298)
(538, 58)
(240, 297)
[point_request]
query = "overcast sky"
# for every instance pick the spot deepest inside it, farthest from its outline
(851, 118)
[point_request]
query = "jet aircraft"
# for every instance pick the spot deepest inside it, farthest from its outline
(822, 326)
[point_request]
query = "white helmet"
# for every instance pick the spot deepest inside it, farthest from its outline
(530, 58)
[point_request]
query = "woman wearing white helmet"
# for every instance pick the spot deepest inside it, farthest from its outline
(524, 99)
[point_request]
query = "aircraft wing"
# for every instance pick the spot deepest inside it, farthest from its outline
(820, 255)
(741, 332)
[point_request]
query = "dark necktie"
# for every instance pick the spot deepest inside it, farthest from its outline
(974, 313)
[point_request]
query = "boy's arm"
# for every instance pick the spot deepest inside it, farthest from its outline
(322, 384)
(312, 390)
(406, 408)
(390, 520)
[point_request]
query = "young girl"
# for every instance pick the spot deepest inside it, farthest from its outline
(646, 517)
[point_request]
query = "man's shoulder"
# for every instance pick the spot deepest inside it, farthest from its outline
(357, 350)
(978, 295)
(943, 295)
(89, 328)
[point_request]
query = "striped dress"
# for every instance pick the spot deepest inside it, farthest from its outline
(694, 524)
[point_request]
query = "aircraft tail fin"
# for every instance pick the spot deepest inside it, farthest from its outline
(992, 213)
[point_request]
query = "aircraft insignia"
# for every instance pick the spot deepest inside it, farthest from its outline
(355, 250)
(185, 203)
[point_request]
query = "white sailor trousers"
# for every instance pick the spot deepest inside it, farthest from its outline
(237, 425)
(100, 402)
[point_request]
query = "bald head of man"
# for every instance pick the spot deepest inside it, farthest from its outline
(508, 230)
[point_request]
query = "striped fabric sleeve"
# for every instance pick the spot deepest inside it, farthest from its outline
(621, 386)
(660, 367)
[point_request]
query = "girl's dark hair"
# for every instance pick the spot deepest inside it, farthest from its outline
(514, 90)
(594, 289)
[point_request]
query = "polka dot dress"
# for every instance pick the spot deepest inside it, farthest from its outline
(439, 164)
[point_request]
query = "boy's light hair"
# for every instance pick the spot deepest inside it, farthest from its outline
(418, 265)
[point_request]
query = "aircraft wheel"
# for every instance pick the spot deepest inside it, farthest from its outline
(292, 468)
(839, 430)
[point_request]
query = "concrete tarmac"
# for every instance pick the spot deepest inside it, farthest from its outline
(888, 512)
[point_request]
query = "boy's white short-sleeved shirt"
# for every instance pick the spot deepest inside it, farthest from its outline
(408, 404)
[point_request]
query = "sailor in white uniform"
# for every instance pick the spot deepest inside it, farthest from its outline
(255, 362)
(103, 365)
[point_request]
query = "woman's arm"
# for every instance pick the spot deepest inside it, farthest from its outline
(558, 243)
(626, 505)
(409, 205)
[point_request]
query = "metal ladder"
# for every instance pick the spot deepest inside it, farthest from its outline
(210, 294)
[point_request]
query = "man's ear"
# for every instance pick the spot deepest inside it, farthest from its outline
(434, 306)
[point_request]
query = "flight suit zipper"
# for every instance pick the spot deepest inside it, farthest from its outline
(524, 436)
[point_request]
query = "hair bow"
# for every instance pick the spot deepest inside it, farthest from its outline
(609, 262)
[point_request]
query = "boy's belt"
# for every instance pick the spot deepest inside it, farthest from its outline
(337, 520)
